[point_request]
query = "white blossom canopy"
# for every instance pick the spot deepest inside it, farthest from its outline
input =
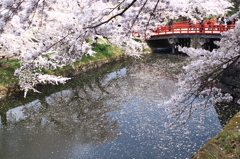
(50, 34)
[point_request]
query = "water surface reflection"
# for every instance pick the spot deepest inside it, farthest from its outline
(120, 114)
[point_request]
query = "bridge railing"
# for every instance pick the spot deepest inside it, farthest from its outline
(183, 27)
(191, 29)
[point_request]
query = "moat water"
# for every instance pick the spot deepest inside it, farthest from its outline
(115, 113)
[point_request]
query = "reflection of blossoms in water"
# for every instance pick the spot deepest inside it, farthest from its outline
(79, 111)
(155, 80)
(84, 109)
(146, 79)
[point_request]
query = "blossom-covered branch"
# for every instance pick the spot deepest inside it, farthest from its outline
(198, 86)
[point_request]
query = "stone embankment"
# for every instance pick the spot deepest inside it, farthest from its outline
(230, 81)
(226, 145)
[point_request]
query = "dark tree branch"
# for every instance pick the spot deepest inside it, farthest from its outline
(138, 15)
(59, 41)
(35, 10)
(119, 14)
(12, 12)
(113, 8)
(152, 13)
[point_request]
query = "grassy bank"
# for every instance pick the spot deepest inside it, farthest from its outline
(103, 51)
(9, 82)
(105, 54)
(226, 145)
(7, 67)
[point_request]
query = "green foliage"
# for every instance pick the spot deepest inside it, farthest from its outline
(230, 142)
(137, 40)
(235, 7)
(124, 44)
(88, 40)
(102, 51)
(7, 69)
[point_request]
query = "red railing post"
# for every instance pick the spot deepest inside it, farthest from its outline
(221, 28)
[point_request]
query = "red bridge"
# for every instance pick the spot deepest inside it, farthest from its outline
(208, 27)
(181, 33)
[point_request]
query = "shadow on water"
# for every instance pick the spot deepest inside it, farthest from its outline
(226, 111)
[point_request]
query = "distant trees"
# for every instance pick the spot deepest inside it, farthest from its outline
(236, 6)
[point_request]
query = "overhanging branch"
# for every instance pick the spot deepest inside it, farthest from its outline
(119, 14)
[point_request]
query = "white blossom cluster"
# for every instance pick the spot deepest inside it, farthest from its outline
(198, 85)
(50, 34)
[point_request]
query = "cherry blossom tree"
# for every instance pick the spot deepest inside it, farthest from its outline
(50, 34)
(198, 86)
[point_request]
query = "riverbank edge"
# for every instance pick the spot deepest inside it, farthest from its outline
(225, 144)
(71, 72)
